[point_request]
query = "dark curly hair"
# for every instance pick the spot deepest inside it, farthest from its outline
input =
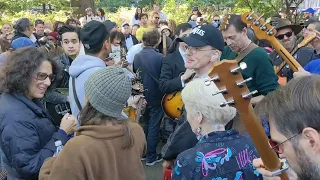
(16, 73)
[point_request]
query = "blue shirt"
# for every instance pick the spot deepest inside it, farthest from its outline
(224, 155)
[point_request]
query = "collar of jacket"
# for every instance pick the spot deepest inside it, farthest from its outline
(108, 131)
(34, 105)
(220, 136)
(150, 49)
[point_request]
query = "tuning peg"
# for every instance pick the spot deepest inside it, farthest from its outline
(223, 91)
(263, 26)
(270, 31)
(207, 81)
(227, 103)
(249, 95)
(242, 83)
(257, 21)
(242, 66)
(249, 17)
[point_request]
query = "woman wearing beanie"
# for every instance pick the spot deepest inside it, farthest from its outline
(106, 146)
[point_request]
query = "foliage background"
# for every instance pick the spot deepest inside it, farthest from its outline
(123, 10)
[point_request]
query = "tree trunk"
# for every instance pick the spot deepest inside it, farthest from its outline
(43, 8)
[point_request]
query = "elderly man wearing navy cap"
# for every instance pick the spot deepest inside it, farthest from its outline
(204, 48)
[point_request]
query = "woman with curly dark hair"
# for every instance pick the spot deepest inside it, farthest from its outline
(28, 133)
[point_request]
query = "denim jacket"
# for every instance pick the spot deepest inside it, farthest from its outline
(224, 155)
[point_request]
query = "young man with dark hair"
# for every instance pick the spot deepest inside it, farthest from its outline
(143, 26)
(148, 62)
(71, 22)
(293, 113)
(94, 37)
(259, 66)
(70, 42)
(39, 29)
(130, 39)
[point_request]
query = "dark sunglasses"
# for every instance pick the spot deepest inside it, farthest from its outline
(288, 35)
(277, 147)
(216, 20)
(43, 76)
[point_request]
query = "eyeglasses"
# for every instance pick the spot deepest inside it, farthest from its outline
(277, 147)
(194, 50)
(43, 76)
(288, 35)
(216, 20)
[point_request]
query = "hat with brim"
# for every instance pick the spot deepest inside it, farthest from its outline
(193, 42)
(284, 23)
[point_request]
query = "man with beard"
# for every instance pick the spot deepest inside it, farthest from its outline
(293, 112)
(287, 36)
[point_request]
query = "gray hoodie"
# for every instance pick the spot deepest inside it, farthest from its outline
(81, 68)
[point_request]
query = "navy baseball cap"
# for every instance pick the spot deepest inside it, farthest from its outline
(205, 35)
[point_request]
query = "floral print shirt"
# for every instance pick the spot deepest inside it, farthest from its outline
(224, 155)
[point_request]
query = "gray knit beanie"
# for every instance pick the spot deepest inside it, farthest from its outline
(108, 90)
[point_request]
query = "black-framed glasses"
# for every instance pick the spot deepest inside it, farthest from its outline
(216, 20)
(288, 35)
(43, 76)
(277, 147)
(194, 50)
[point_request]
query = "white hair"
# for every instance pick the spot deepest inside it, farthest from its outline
(200, 98)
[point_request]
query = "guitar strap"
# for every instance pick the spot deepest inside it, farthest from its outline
(245, 52)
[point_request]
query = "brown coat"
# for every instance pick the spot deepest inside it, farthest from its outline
(97, 154)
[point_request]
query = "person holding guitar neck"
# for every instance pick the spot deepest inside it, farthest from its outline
(293, 112)
(259, 66)
(287, 35)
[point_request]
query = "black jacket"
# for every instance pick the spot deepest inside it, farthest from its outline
(52, 95)
(172, 67)
(148, 62)
(19, 35)
(304, 55)
(27, 137)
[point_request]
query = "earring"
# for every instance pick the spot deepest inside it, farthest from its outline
(199, 136)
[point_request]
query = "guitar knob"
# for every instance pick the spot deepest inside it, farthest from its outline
(227, 103)
(249, 95)
(242, 83)
(223, 91)
(207, 81)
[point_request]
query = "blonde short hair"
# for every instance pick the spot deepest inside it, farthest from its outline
(200, 97)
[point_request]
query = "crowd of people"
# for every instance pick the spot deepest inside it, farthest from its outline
(66, 90)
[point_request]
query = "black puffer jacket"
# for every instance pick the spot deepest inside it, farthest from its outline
(27, 135)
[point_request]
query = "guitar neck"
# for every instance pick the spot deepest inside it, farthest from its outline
(286, 56)
(283, 64)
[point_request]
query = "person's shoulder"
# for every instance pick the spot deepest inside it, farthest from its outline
(307, 50)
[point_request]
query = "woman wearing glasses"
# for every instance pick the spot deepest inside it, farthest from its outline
(28, 133)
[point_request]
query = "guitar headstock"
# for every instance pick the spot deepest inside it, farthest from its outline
(225, 22)
(227, 76)
(307, 39)
(262, 29)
